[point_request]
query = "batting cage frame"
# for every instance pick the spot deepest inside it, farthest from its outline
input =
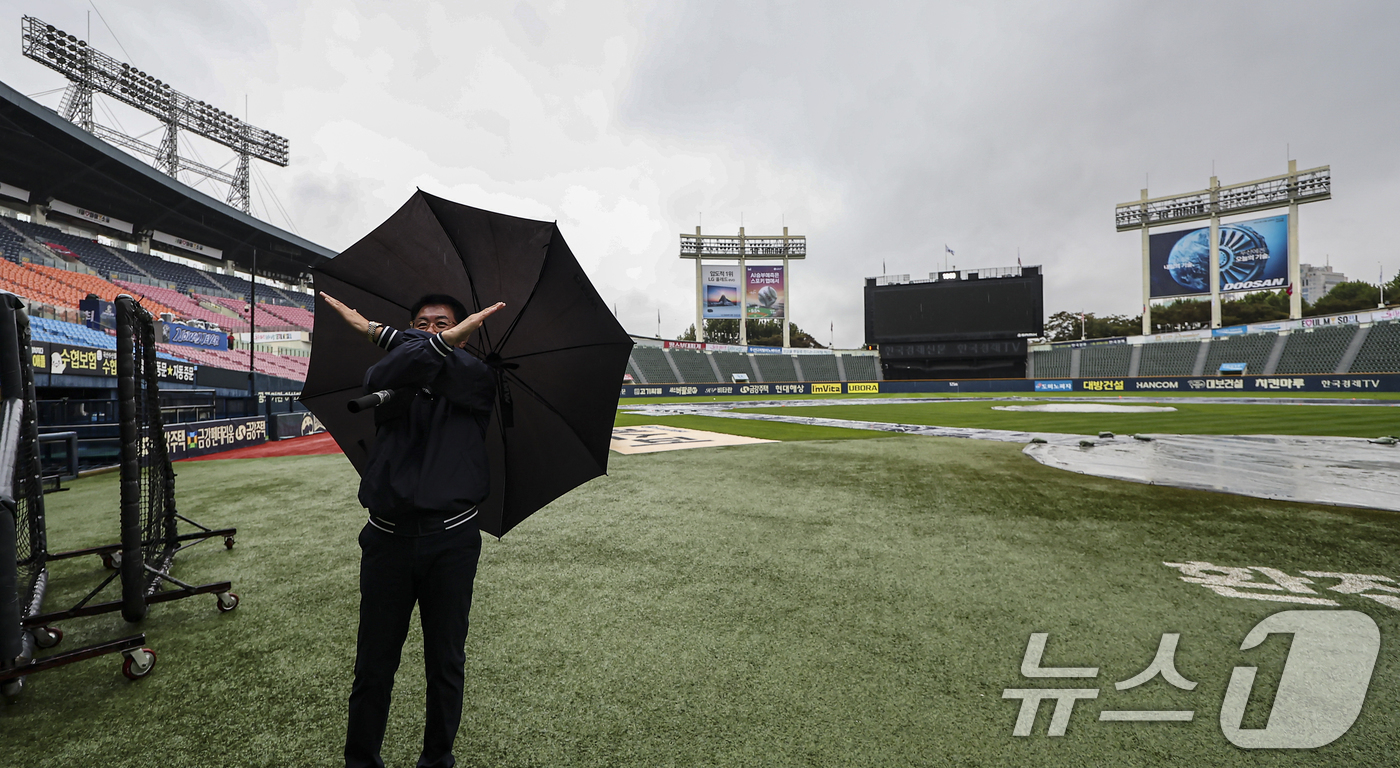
(150, 536)
(23, 533)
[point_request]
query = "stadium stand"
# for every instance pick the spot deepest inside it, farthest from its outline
(58, 287)
(268, 319)
(733, 362)
(776, 368)
(1168, 358)
(286, 366)
(1252, 350)
(186, 278)
(93, 255)
(59, 332)
(1380, 353)
(1049, 363)
(652, 363)
(297, 317)
(819, 368)
(1104, 361)
(694, 366)
(183, 306)
(12, 245)
(860, 367)
(1315, 351)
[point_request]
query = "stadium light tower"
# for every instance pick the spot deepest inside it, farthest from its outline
(91, 71)
(729, 297)
(1289, 189)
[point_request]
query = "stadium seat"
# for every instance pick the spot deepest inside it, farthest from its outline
(776, 368)
(1380, 353)
(1105, 361)
(819, 367)
(694, 366)
(651, 361)
(1315, 351)
(1170, 358)
(1251, 349)
(733, 362)
(1051, 363)
(860, 367)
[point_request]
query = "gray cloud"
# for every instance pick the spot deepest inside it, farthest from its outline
(879, 130)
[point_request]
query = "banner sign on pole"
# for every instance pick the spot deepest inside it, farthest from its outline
(763, 291)
(721, 293)
(93, 216)
(1253, 257)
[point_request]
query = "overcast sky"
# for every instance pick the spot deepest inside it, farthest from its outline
(879, 131)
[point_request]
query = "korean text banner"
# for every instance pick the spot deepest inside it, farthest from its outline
(764, 294)
(1253, 256)
(721, 292)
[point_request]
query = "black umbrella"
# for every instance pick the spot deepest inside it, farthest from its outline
(558, 353)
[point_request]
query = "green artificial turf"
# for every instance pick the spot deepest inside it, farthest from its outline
(808, 603)
(1189, 418)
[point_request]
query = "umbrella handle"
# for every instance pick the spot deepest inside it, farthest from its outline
(370, 401)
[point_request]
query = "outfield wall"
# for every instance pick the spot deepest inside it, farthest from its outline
(1354, 384)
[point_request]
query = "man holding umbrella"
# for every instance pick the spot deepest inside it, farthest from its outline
(427, 471)
(531, 404)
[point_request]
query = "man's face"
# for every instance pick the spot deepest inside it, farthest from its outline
(435, 318)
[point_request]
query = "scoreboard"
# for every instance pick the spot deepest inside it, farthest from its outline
(963, 308)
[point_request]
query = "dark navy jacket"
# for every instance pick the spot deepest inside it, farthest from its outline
(429, 449)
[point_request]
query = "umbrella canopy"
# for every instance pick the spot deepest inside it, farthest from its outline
(558, 353)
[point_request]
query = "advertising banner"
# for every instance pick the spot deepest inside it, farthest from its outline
(184, 335)
(1354, 384)
(764, 292)
(68, 360)
(1253, 256)
(721, 293)
(93, 216)
(200, 437)
(189, 245)
(9, 190)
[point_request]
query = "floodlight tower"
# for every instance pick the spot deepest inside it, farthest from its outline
(1289, 190)
(91, 71)
(743, 248)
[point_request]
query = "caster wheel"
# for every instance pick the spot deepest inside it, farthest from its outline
(48, 637)
(139, 663)
(228, 542)
(111, 560)
(227, 602)
(11, 689)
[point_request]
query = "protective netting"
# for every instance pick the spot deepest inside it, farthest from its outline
(148, 481)
(30, 545)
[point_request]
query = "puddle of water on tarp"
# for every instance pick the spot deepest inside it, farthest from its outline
(1347, 471)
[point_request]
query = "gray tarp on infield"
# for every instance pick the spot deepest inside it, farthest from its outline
(1344, 471)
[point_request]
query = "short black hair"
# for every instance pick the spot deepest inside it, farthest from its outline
(459, 310)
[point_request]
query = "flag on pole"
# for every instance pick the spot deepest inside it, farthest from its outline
(1290, 289)
(949, 250)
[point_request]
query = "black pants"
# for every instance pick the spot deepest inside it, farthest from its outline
(436, 571)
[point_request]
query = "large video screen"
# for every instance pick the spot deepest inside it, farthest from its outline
(955, 309)
(1253, 257)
